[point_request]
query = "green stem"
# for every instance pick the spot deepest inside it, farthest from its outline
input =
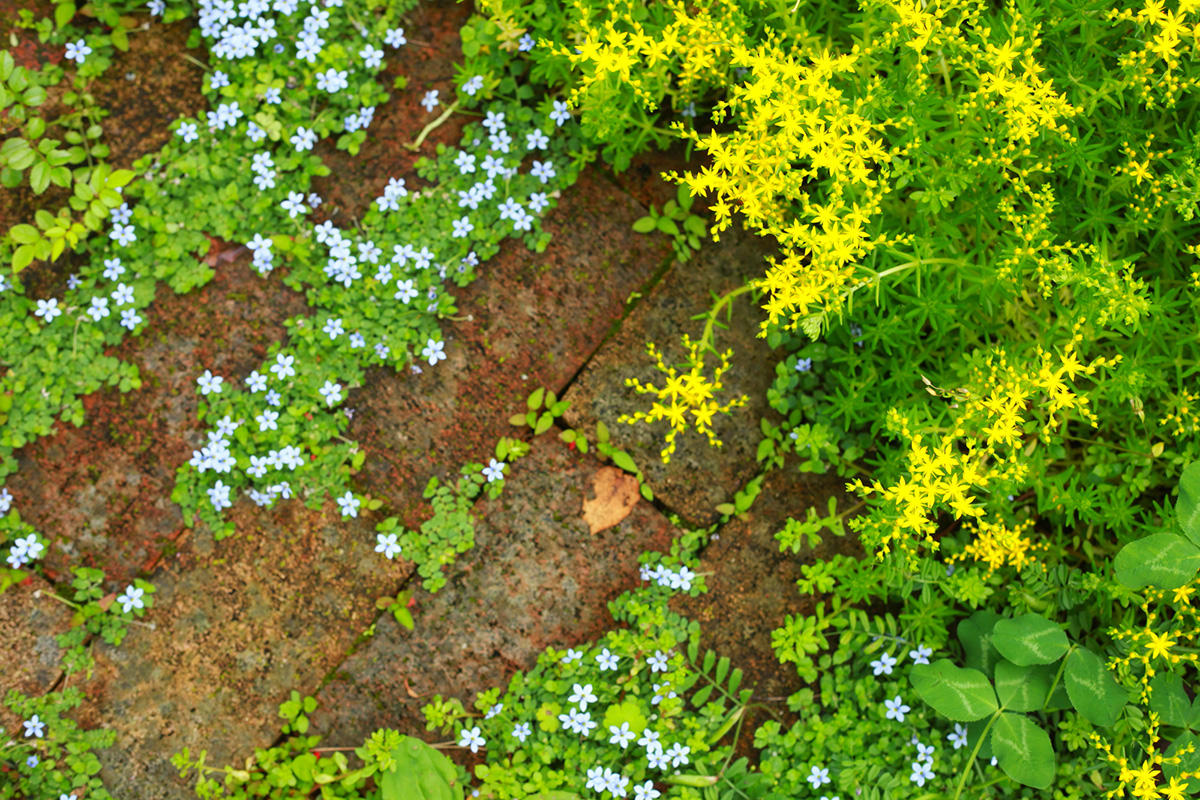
(900, 268)
(706, 337)
(59, 598)
(450, 109)
(195, 61)
(1105, 444)
(1058, 676)
(848, 463)
(852, 508)
(962, 782)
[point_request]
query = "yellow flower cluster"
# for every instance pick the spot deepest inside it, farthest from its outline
(1151, 644)
(1143, 781)
(684, 394)
(941, 476)
(1184, 413)
(1167, 639)
(1006, 407)
(1166, 37)
(693, 46)
(1151, 190)
(998, 545)
(811, 161)
(797, 127)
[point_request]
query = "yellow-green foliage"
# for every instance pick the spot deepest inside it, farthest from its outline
(985, 283)
(1002, 196)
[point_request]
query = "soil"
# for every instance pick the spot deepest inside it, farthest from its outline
(289, 603)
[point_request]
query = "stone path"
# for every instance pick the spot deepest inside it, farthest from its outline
(289, 603)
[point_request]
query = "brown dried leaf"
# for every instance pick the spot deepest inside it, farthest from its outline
(616, 495)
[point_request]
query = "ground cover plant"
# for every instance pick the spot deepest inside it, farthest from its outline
(980, 305)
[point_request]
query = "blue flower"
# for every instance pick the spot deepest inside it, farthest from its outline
(896, 708)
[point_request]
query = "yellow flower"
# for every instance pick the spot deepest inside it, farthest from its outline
(1159, 645)
(685, 393)
(1144, 779)
(997, 545)
(1175, 791)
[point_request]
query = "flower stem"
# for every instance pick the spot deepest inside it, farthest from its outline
(450, 109)
(706, 337)
(59, 598)
(195, 61)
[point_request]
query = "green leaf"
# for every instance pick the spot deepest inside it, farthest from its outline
(1022, 688)
(961, 695)
(623, 460)
(35, 127)
(683, 195)
(39, 177)
(1161, 560)
(404, 617)
(23, 257)
(64, 12)
(1093, 691)
(535, 400)
(19, 79)
(420, 773)
(644, 225)
(118, 178)
(24, 233)
(33, 96)
(543, 424)
(547, 716)
(1030, 639)
(1187, 509)
(668, 226)
(21, 158)
(975, 633)
(629, 711)
(1023, 750)
(1169, 700)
